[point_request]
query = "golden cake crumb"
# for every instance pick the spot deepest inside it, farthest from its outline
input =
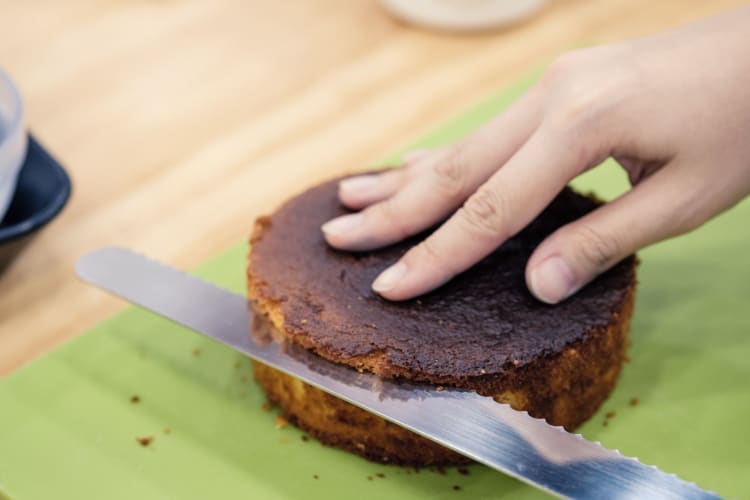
(281, 422)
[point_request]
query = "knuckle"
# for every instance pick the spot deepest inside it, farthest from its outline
(429, 250)
(583, 85)
(485, 213)
(565, 68)
(560, 69)
(595, 249)
(577, 106)
(579, 116)
(450, 173)
(389, 216)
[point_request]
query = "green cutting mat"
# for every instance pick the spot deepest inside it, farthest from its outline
(68, 427)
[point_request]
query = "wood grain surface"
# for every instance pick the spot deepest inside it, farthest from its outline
(180, 121)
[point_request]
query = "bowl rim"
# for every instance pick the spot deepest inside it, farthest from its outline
(54, 207)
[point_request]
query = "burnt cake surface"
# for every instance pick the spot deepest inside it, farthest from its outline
(482, 331)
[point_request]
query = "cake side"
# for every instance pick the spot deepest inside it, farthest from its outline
(336, 423)
(565, 388)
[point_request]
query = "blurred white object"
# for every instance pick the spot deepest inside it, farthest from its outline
(462, 15)
(13, 140)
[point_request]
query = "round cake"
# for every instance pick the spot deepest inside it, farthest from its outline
(482, 331)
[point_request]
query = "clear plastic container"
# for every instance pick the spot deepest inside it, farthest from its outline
(13, 139)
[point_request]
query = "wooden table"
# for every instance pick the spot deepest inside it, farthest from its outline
(181, 121)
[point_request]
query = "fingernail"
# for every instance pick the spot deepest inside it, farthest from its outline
(359, 185)
(342, 225)
(553, 280)
(389, 278)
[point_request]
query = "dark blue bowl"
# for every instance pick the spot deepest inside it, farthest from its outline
(41, 193)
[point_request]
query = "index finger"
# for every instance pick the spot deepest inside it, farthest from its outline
(500, 208)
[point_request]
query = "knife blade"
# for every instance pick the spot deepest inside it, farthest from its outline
(510, 441)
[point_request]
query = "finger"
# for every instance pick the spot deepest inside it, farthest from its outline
(362, 191)
(499, 209)
(449, 178)
(661, 206)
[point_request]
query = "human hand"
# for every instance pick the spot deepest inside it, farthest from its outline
(672, 109)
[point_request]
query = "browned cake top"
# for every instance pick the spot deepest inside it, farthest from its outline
(482, 322)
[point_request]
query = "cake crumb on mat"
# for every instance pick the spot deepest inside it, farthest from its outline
(145, 440)
(281, 422)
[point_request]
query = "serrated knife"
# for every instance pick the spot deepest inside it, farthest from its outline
(529, 449)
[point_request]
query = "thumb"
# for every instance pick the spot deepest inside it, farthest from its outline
(660, 207)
